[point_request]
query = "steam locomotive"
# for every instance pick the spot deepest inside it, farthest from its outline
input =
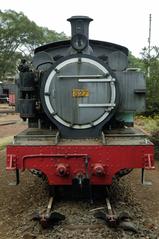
(79, 100)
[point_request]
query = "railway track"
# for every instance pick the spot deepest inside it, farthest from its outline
(18, 205)
(79, 215)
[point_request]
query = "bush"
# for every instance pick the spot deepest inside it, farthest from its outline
(151, 125)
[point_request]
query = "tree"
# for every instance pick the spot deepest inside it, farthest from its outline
(151, 62)
(20, 36)
(135, 62)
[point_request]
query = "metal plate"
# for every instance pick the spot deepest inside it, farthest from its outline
(80, 92)
(45, 158)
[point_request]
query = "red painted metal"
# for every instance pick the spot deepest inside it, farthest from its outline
(148, 162)
(12, 99)
(98, 169)
(62, 169)
(79, 160)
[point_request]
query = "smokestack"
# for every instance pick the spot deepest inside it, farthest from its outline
(80, 25)
(80, 33)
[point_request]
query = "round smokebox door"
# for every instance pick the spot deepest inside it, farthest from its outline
(79, 93)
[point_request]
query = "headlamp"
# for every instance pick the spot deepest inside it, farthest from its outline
(79, 42)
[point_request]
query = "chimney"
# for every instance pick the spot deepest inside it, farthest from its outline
(80, 25)
(80, 33)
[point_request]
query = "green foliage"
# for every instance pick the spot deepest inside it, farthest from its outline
(148, 123)
(20, 36)
(135, 62)
(149, 60)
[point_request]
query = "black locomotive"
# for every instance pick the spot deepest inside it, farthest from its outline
(80, 99)
(80, 87)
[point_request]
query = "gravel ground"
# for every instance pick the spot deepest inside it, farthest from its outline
(19, 203)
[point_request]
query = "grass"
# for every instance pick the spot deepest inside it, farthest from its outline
(151, 125)
(4, 141)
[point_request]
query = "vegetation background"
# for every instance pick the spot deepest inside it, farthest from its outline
(19, 37)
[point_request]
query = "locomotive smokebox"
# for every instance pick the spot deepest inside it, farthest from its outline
(80, 32)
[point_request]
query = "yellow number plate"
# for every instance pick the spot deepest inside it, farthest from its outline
(80, 92)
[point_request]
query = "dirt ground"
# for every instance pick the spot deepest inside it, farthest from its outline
(17, 204)
(9, 130)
